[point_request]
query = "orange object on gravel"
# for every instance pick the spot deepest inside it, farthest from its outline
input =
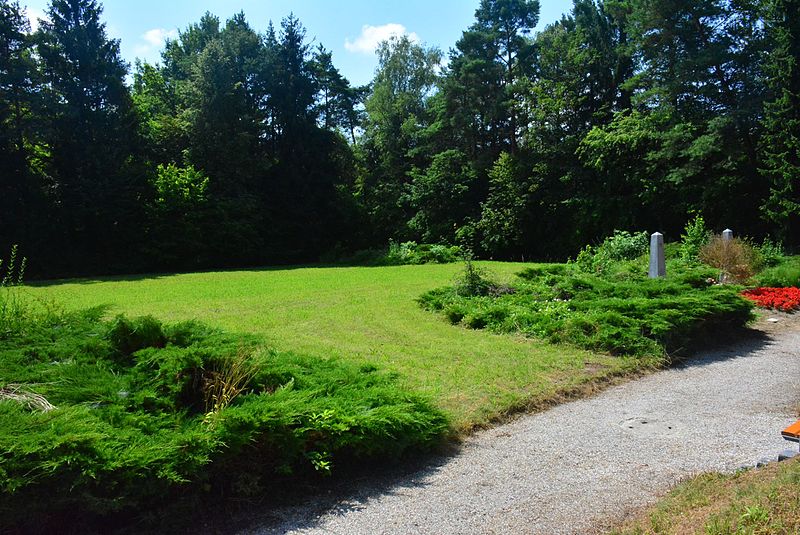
(792, 432)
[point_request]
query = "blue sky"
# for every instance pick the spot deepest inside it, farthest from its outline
(350, 28)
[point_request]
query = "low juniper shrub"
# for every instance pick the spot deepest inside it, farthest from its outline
(621, 312)
(138, 412)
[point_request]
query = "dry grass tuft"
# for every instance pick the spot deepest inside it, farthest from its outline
(231, 379)
(736, 259)
(32, 400)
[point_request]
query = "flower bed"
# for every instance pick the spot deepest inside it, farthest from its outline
(785, 299)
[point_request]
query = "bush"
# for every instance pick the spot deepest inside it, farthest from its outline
(695, 238)
(412, 253)
(736, 259)
(622, 245)
(771, 253)
(622, 312)
(139, 412)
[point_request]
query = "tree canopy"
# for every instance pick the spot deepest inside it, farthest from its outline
(244, 148)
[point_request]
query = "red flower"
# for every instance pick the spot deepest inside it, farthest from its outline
(785, 299)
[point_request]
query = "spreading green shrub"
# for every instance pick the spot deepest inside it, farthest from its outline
(621, 312)
(137, 412)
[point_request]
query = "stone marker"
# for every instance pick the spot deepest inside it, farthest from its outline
(657, 266)
(727, 234)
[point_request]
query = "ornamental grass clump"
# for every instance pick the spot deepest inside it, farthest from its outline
(736, 259)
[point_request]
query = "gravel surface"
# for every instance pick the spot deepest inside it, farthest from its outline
(583, 465)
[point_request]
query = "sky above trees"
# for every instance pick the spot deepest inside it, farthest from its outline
(351, 29)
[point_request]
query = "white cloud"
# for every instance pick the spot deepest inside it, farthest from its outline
(372, 36)
(153, 40)
(34, 15)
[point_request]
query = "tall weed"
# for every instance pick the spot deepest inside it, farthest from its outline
(14, 309)
(696, 235)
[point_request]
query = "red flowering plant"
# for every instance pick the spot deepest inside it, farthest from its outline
(785, 299)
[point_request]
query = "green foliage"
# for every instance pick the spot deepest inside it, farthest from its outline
(129, 336)
(622, 245)
(412, 253)
(180, 186)
(782, 275)
(441, 196)
(473, 282)
(781, 118)
(621, 114)
(143, 411)
(695, 236)
(503, 211)
(771, 253)
(621, 311)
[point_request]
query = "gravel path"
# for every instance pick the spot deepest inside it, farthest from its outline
(582, 465)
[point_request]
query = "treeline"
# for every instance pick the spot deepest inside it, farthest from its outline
(241, 148)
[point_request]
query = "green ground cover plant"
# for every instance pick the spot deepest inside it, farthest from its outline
(618, 310)
(102, 417)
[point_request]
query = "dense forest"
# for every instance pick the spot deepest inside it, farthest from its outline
(242, 149)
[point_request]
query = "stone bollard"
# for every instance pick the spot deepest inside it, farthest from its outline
(658, 267)
(727, 234)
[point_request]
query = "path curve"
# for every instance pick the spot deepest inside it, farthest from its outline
(582, 465)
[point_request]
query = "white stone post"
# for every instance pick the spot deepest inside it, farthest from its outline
(658, 267)
(727, 234)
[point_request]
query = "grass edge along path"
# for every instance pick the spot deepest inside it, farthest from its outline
(367, 316)
(758, 500)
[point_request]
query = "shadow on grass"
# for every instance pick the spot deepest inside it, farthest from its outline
(157, 276)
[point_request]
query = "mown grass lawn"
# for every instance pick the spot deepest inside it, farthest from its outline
(362, 314)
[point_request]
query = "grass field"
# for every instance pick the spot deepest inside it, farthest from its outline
(362, 314)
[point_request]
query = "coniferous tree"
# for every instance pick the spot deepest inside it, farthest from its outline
(90, 129)
(21, 189)
(781, 141)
